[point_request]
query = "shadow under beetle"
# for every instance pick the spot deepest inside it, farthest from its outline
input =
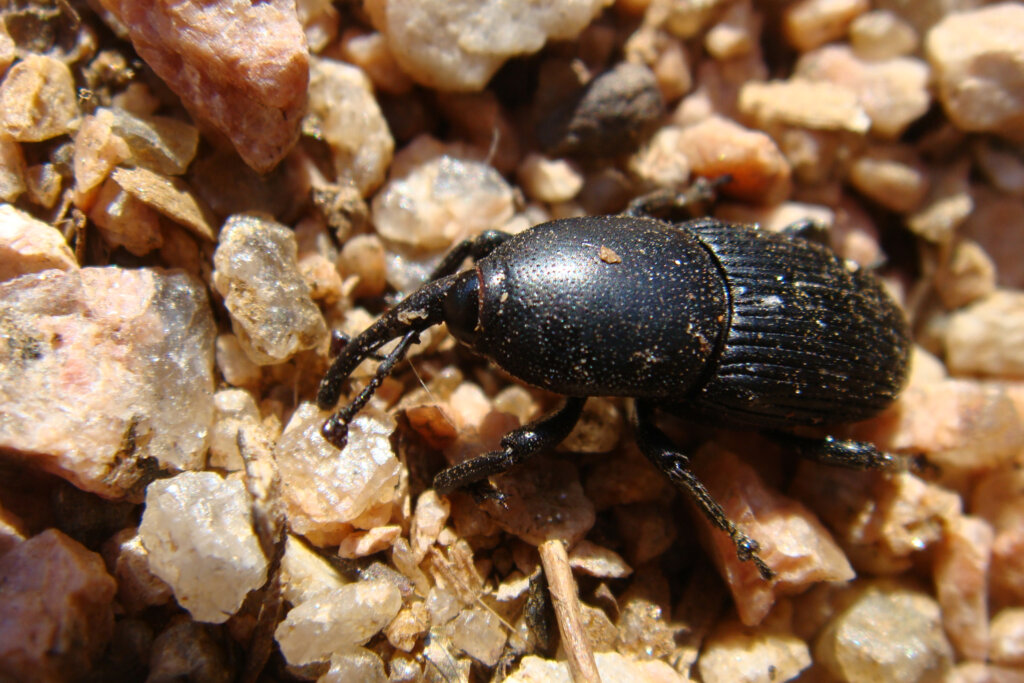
(739, 326)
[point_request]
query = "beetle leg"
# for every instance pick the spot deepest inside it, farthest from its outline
(808, 229)
(855, 455)
(664, 203)
(662, 452)
(335, 428)
(516, 446)
(475, 248)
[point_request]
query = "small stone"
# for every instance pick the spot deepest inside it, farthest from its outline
(1003, 167)
(441, 201)
(365, 258)
(38, 99)
(808, 24)
(613, 114)
(548, 180)
(482, 121)
(234, 408)
(977, 62)
(187, 649)
(12, 170)
(124, 221)
(967, 276)
(736, 34)
(56, 609)
(600, 425)
(256, 272)
(998, 220)
(361, 665)
(161, 144)
(881, 34)
(337, 622)
(234, 364)
(370, 52)
(734, 653)
(998, 498)
(961, 580)
(429, 518)
(793, 542)
(659, 164)
(545, 501)
(1008, 637)
(43, 184)
(170, 197)
(644, 628)
(892, 177)
(137, 586)
(244, 68)
(28, 245)
(325, 490)
(306, 574)
(717, 147)
(626, 477)
(364, 543)
(7, 50)
(411, 624)
(799, 102)
(454, 47)
(130, 378)
(593, 560)
(889, 634)
(97, 151)
(479, 633)
(611, 666)
(197, 528)
(345, 115)
(987, 337)
(648, 530)
(893, 93)
(316, 258)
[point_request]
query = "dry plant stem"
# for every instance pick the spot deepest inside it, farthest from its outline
(566, 601)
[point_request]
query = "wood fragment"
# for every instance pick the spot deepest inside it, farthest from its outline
(566, 601)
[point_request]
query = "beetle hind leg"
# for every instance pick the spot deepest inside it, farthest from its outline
(516, 446)
(855, 455)
(659, 449)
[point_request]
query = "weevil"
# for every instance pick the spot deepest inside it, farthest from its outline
(739, 326)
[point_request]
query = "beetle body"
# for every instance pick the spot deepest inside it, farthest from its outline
(739, 326)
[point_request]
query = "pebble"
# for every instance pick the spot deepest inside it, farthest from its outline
(233, 409)
(594, 560)
(966, 276)
(803, 103)
(98, 149)
(717, 146)
(440, 201)
(124, 221)
(647, 530)
(978, 65)
(1003, 166)
(987, 337)
(170, 197)
(187, 649)
(243, 68)
(370, 52)
(736, 34)
(882, 34)
(1008, 637)
(996, 221)
(233, 363)
(412, 623)
(548, 180)
(999, 498)
(197, 529)
(545, 501)
(891, 176)
(452, 47)
(28, 245)
(163, 145)
(137, 586)
(888, 634)
(56, 609)
(962, 562)
(256, 272)
(808, 24)
(38, 100)
(794, 543)
(479, 633)
(361, 665)
(893, 92)
(345, 115)
(734, 653)
(131, 378)
(611, 666)
(306, 574)
(611, 115)
(429, 518)
(13, 182)
(659, 163)
(337, 622)
(364, 257)
(324, 490)
(364, 543)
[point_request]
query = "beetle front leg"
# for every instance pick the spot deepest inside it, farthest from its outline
(516, 446)
(662, 452)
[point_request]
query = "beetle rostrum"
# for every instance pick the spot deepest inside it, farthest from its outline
(740, 326)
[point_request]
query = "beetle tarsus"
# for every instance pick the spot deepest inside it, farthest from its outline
(517, 446)
(659, 449)
(855, 455)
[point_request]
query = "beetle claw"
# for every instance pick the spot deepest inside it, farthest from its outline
(335, 432)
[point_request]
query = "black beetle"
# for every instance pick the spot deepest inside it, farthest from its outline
(741, 326)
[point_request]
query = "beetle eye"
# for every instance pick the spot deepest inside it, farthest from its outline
(462, 306)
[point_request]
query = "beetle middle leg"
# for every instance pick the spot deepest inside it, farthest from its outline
(475, 248)
(855, 455)
(516, 446)
(660, 450)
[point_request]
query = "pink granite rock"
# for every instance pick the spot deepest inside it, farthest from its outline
(240, 66)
